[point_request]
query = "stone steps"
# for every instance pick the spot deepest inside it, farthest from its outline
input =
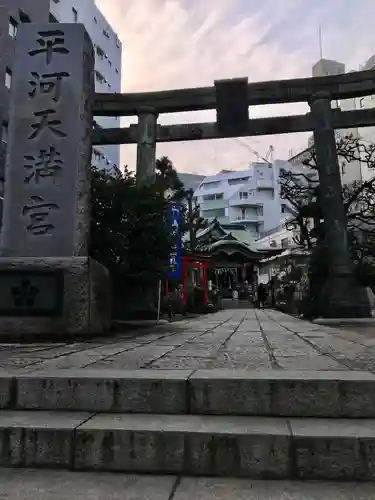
(339, 394)
(254, 447)
(274, 424)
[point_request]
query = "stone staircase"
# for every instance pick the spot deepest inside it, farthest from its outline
(274, 424)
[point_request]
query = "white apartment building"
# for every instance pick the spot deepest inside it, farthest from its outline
(248, 197)
(108, 53)
(279, 238)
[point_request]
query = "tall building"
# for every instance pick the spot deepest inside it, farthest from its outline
(352, 172)
(12, 14)
(108, 53)
(247, 197)
(326, 67)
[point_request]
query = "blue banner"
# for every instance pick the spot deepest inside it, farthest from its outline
(175, 257)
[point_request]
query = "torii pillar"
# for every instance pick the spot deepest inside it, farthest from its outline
(146, 147)
(343, 296)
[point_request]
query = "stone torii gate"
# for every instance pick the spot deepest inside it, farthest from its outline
(231, 99)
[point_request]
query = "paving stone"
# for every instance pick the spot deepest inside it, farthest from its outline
(226, 332)
(194, 352)
(33, 484)
(38, 438)
(140, 391)
(171, 341)
(181, 363)
(245, 489)
(309, 363)
(334, 449)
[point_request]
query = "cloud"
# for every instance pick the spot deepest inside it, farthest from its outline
(189, 43)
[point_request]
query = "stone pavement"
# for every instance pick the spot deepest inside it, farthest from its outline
(242, 339)
(19, 484)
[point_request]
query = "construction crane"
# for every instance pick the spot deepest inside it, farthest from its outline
(268, 156)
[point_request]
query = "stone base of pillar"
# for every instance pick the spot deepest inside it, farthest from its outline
(343, 297)
(54, 297)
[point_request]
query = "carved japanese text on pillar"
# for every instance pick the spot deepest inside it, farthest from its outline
(48, 43)
(46, 133)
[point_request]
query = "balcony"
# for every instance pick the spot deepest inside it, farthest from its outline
(213, 204)
(247, 218)
(244, 202)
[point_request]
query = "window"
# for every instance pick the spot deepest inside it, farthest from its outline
(283, 209)
(284, 243)
(219, 212)
(13, 27)
(239, 180)
(100, 52)
(244, 195)
(97, 154)
(100, 78)
(75, 15)
(24, 18)
(260, 210)
(209, 185)
(4, 133)
(8, 78)
(211, 197)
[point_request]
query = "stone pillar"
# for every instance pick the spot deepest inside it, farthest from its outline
(146, 148)
(344, 298)
(48, 284)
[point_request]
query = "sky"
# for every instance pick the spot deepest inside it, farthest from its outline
(170, 44)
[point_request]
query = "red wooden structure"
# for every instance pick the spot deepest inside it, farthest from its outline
(192, 262)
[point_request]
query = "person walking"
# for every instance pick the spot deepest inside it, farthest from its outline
(262, 295)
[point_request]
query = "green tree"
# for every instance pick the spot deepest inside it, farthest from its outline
(130, 236)
(167, 181)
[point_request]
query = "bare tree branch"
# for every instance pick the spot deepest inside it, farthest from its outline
(301, 189)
